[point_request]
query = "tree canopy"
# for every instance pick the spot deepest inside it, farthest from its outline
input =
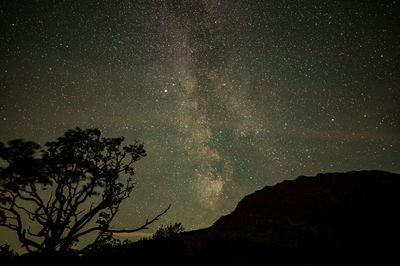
(52, 196)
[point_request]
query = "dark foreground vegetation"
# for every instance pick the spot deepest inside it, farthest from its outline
(331, 219)
(53, 195)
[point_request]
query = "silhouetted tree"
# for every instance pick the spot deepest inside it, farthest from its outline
(168, 231)
(6, 251)
(69, 188)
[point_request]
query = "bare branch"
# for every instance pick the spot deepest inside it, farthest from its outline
(26, 210)
(40, 234)
(144, 226)
(10, 226)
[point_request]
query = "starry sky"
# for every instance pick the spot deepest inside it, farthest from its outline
(227, 96)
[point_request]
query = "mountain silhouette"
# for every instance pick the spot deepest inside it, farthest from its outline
(346, 218)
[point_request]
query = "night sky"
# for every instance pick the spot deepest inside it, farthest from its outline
(227, 96)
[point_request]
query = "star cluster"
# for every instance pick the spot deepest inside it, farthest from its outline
(227, 96)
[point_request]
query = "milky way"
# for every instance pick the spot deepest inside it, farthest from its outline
(227, 96)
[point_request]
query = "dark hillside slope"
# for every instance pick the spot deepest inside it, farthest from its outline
(336, 215)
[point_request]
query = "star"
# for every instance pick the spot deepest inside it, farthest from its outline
(225, 97)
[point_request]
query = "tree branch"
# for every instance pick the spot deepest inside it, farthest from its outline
(144, 226)
(10, 226)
